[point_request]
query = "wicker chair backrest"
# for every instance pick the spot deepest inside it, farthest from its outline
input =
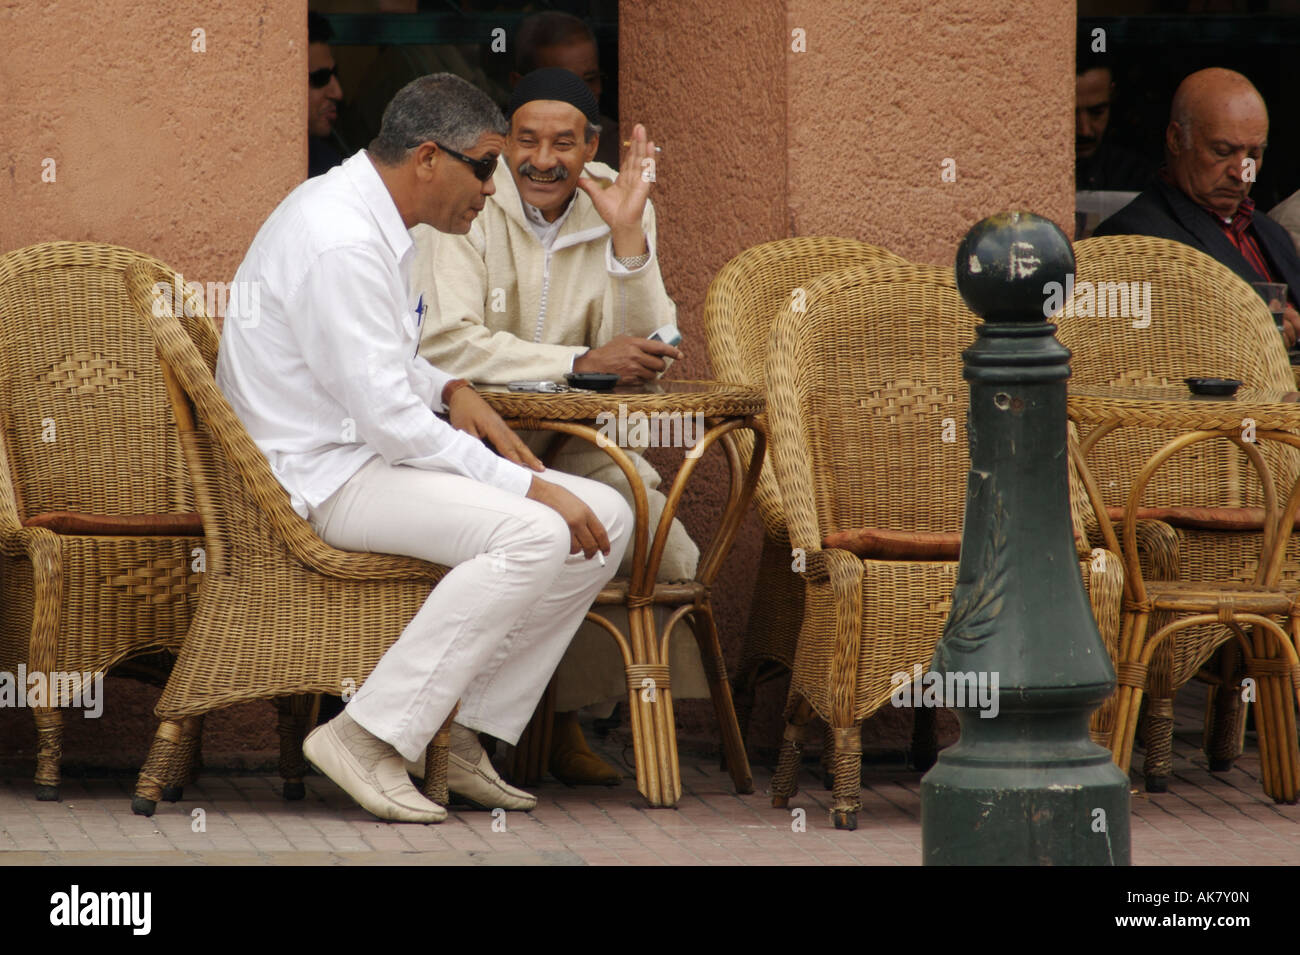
(867, 401)
(744, 299)
(1203, 321)
(88, 425)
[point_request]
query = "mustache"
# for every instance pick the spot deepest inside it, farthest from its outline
(559, 170)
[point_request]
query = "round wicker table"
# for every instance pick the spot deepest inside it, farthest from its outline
(722, 409)
(1246, 419)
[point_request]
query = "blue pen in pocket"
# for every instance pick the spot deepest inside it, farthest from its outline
(420, 309)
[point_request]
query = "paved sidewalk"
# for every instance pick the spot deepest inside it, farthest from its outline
(1204, 819)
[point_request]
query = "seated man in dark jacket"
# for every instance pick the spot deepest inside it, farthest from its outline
(1214, 146)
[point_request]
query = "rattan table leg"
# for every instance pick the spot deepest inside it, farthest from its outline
(715, 669)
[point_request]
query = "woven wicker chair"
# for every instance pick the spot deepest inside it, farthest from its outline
(743, 300)
(280, 613)
(871, 435)
(98, 527)
(1204, 321)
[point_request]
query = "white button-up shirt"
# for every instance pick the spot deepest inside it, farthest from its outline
(319, 349)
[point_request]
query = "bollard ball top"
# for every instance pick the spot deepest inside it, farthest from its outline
(1005, 261)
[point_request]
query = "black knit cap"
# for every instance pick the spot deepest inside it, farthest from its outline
(552, 82)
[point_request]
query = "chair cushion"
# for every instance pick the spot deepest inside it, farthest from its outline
(1239, 519)
(876, 543)
(119, 525)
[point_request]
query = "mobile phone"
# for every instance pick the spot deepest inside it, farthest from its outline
(669, 335)
(544, 387)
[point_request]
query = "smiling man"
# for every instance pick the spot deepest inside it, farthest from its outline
(326, 379)
(1214, 148)
(560, 274)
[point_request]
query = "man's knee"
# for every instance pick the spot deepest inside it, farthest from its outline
(611, 509)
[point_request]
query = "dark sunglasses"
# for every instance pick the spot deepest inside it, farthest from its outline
(319, 79)
(483, 168)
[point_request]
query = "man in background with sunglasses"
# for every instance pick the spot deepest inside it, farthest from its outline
(323, 96)
(560, 274)
(323, 372)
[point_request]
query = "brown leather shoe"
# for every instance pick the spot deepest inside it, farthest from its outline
(572, 761)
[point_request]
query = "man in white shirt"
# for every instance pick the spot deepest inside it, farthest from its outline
(560, 274)
(324, 374)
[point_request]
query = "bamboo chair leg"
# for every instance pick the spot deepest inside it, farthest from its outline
(49, 751)
(1128, 696)
(1226, 719)
(785, 781)
(166, 763)
(294, 713)
(925, 737)
(435, 762)
(1159, 763)
(848, 776)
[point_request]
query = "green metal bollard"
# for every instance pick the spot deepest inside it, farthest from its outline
(1024, 785)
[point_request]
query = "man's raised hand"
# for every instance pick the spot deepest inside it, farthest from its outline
(622, 204)
(468, 412)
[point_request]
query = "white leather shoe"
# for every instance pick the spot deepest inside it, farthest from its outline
(473, 780)
(369, 770)
(478, 786)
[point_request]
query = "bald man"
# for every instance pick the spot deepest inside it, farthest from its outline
(1214, 148)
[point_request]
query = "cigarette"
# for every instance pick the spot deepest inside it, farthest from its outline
(628, 142)
(600, 557)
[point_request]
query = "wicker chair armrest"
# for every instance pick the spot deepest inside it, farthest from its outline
(1158, 550)
(11, 507)
(329, 561)
(38, 544)
(790, 453)
(815, 566)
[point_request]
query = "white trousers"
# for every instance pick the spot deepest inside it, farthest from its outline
(495, 627)
(591, 674)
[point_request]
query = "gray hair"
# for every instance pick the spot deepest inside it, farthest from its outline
(591, 132)
(440, 107)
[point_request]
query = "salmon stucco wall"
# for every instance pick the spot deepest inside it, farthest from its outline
(910, 120)
(165, 140)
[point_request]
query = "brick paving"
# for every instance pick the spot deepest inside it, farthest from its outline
(1204, 819)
